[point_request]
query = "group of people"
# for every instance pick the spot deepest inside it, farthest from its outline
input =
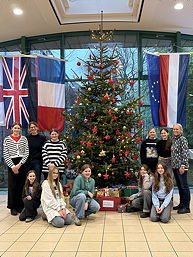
(28, 157)
(166, 159)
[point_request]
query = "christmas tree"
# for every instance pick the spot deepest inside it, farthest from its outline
(104, 126)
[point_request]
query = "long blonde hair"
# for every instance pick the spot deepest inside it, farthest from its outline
(54, 182)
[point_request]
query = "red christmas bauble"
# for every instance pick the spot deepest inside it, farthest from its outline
(138, 139)
(115, 118)
(131, 83)
(90, 77)
(135, 157)
(92, 114)
(111, 82)
(140, 123)
(126, 153)
(113, 160)
(85, 120)
(78, 63)
(107, 137)
(109, 112)
(116, 62)
(140, 103)
(101, 141)
(82, 142)
(106, 97)
(113, 100)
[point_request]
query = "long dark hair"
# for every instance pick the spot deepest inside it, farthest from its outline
(167, 179)
(27, 184)
(140, 181)
(168, 141)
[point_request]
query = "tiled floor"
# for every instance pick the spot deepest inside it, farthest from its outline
(105, 234)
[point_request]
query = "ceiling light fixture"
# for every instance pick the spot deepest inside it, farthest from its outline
(179, 6)
(17, 11)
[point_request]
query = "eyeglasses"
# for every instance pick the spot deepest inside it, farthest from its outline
(55, 173)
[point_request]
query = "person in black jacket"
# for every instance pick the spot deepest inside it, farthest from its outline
(35, 142)
(148, 151)
(31, 197)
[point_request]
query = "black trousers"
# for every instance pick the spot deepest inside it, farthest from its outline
(15, 187)
(30, 209)
(184, 191)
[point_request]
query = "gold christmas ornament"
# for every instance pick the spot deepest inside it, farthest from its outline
(102, 153)
(89, 89)
(78, 156)
(116, 109)
(124, 127)
(99, 175)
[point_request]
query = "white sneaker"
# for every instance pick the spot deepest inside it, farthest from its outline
(77, 222)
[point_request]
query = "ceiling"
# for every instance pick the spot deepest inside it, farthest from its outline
(39, 17)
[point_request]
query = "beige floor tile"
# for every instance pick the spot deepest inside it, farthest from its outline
(93, 230)
(9, 237)
(14, 254)
(91, 246)
(131, 222)
(156, 237)
(39, 254)
(53, 230)
(113, 254)
(43, 246)
(69, 237)
(50, 237)
(154, 228)
(136, 247)
(29, 237)
(113, 229)
(134, 229)
(138, 254)
(92, 237)
(34, 230)
(113, 237)
(135, 237)
(113, 222)
(184, 254)
(74, 229)
(182, 246)
(174, 228)
(130, 216)
(21, 247)
(177, 237)
(88, 254)
(160, 247)
(14, 230)
(66, 246)
(187, 228)
(190, 235)
(64, 254)
(113, 246)
(164, 254)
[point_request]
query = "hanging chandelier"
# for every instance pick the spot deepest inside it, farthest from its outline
(101, 35)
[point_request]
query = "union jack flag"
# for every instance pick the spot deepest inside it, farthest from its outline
(15, 91)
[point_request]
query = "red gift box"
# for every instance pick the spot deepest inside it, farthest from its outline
(108, 203)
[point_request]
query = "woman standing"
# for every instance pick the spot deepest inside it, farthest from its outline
(179, 160)
(148, 151)
(16, 151)
(35, 141)
(54, 153)
(164, 150)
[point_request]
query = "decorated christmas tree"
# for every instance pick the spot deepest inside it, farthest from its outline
(104, 126)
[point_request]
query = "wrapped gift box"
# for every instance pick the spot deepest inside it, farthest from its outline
(108, 203)
(128, 191)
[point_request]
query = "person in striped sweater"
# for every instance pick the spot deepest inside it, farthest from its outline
(16, 152)
(54, 153)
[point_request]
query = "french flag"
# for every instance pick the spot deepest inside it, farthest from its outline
(167, 79)
(51, 93)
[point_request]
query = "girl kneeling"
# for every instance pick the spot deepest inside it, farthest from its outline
(162, 193)
(31, 197)
(142, 200)
(81, 197)
(52, 200)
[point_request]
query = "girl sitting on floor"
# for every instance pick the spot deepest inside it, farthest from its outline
(142, 199)
(52, 200)
(162, 193)
(31, 197)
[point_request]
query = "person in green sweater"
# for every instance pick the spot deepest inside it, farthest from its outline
(81, 197)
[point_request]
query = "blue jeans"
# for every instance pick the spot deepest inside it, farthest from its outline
(184, 191)
(78, 203)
